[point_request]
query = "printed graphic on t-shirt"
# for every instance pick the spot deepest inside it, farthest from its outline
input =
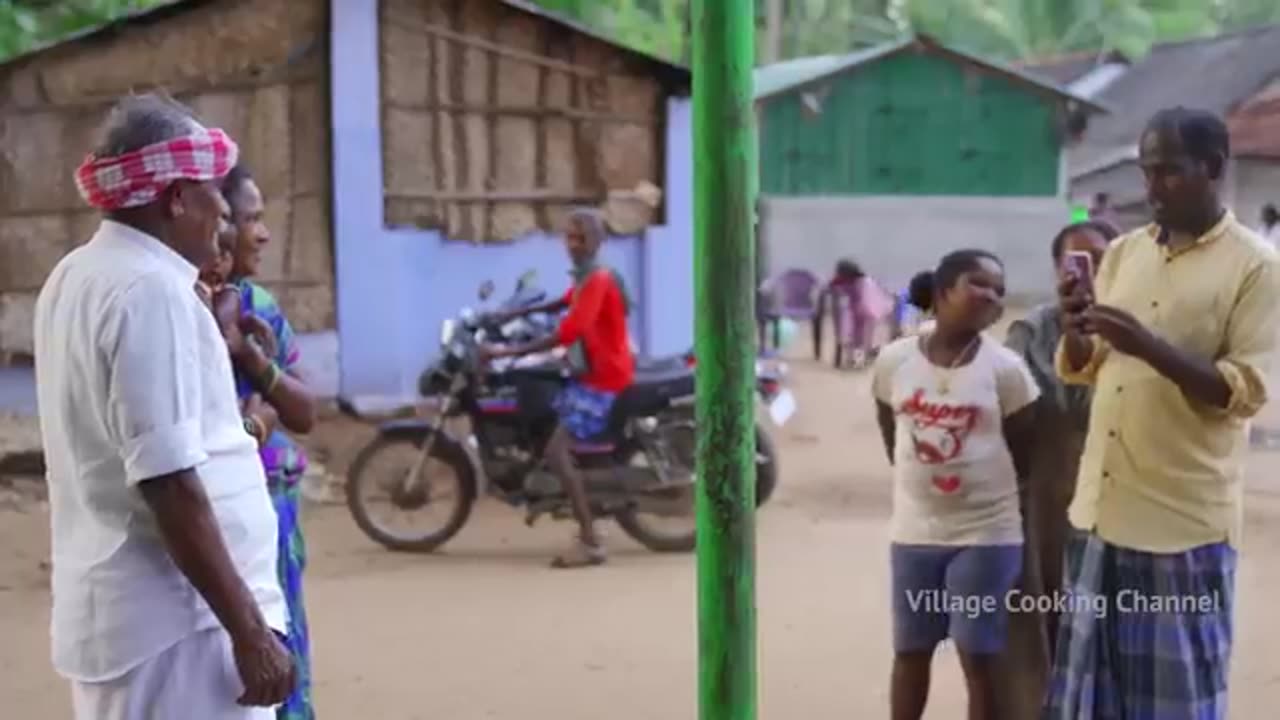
(939, 431)
(954, 480)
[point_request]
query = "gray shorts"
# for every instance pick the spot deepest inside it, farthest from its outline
(960, 592)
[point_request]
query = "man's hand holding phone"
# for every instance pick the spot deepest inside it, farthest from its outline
(1075, 291)
(1075, 298)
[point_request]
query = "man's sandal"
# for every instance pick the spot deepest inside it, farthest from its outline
(581, 554)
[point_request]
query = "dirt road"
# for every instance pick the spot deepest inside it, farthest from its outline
(485, 631)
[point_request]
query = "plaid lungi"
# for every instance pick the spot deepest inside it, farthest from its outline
(1144, 636)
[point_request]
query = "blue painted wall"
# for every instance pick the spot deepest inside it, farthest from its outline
(395, 286)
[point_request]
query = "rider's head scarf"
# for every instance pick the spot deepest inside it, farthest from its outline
(137, 178)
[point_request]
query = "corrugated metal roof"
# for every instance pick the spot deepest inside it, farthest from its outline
(1066, 69)
(1214, 74)
(791, 75)
(769, 79)
(782, 76)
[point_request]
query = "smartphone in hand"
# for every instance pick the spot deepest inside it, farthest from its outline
(1079, 265)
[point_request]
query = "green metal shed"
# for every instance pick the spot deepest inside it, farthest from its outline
(911, 118)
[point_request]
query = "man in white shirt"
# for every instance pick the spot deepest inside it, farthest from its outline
(165, 597)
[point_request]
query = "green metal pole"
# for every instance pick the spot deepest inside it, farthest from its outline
(724, 268)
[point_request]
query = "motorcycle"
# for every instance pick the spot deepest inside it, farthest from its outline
(640, 473)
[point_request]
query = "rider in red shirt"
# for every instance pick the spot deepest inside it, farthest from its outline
(595, 331)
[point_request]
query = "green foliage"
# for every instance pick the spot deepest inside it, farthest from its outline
(29, 24)
(1001, 29)
(655, 27)
(1015, 29)
(18, 25)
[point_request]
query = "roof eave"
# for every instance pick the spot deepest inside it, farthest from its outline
(922, 40)
(864, 57)
(1115, 158)
(1019, 76)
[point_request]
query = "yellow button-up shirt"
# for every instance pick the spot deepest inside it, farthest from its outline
(1161, 472)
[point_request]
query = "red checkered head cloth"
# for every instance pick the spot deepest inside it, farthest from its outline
(137, 178)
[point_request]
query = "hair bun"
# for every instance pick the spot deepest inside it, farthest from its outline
(920, 291)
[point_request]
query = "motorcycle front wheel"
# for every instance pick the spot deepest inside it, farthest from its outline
(386, 463)
(641, 528)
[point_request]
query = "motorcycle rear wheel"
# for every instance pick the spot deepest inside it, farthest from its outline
(443, 449)
(635, 523)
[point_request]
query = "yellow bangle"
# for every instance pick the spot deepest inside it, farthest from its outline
(272, 379)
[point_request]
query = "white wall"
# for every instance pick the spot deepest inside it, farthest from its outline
(893, 238)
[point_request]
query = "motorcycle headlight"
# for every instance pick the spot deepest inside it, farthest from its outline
(446, 331)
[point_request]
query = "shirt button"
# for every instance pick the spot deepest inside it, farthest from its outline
(1111, 433)
(1155, 304)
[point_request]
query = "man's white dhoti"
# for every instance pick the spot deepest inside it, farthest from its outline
(196, 679)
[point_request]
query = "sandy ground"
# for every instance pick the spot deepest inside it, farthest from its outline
(485, 631)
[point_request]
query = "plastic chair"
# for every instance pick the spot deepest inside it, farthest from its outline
(793, 294)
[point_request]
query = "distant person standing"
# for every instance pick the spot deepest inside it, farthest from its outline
(1270, 228)
(861, 304)
(1176, 336)
(1101, 210)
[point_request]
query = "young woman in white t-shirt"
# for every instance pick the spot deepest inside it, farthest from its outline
(955, 409)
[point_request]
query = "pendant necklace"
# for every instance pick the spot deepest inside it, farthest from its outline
(944, 377)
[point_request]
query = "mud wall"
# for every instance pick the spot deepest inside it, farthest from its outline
(257, 68)
(496, 121)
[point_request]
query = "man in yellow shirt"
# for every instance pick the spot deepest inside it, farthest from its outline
(1176, 336)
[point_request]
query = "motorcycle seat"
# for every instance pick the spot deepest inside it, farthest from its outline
(652, 392)
(655, 374)
(660, 364)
